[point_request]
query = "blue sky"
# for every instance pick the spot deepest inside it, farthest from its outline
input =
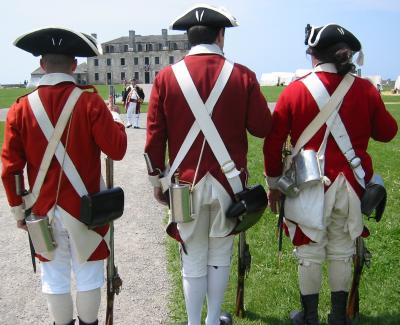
(270, 36)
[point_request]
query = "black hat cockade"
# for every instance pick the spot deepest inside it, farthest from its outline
(205, 15)
(324, 36)
(58, 40)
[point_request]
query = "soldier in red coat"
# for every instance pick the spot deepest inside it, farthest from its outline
(72, 172)
(231, 95)
(324, 226)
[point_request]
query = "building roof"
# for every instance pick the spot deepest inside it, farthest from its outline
(81, 68)
(147, 38)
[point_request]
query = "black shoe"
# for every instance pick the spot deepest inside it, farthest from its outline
(129, 126)
(225, 319)
(72, 322)
(81, 322)
(309, 314)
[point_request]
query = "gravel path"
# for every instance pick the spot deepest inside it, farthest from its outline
(139, 246)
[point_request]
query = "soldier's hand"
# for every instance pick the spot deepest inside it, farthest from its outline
(274, 197)
(22, 225)
(159, 196)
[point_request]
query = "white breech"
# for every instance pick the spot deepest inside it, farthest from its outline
(129, 113)
(336, 246)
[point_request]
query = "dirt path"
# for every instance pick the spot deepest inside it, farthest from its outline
(140, 254)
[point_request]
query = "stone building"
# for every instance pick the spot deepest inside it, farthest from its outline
(136, 56)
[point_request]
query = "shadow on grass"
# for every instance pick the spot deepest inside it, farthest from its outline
(385, 319)
(262, 319)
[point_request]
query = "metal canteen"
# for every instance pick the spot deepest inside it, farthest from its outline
(287, 186)
(307, 168)
(181, 202)
(39, 229)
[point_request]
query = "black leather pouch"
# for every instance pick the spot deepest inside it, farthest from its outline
(101, 208)
(248, 207)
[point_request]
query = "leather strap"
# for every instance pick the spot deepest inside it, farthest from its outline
(195, 129)
(53, 135)
(206, 124)
(336, 126)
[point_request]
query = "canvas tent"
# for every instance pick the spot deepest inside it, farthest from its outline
(301, 73)
(276, 78)
(375, 80)
(397, 85)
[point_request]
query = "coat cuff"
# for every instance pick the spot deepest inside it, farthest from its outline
(272, 182)
(155, 180)
(18, 212)
(116, 117)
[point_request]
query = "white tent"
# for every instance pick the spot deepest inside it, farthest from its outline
(276, 78)
(375, 80)
(269, 79)
(397, 85)
(301, 73)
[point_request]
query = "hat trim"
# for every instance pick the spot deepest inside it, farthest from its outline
(95, 49)
(313, 28)
(227, 14)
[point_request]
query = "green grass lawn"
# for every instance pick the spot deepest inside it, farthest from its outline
(271, 290)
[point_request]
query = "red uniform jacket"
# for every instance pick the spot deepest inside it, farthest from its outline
(92, 130)
(363, 114)
(240, 108)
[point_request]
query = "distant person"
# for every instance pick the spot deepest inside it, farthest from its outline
(75, 169)
(132, 105)
(326, 224)
(237, 107)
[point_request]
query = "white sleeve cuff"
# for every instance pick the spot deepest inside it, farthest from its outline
(18, 212)
(155, 180)
(116, 117)
(272, 182)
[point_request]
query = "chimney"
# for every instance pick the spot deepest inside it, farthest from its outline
(132, 40)
(164, 33)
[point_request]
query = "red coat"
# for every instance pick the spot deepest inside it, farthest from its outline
(92, 130)
(240, 108)
(363, 113)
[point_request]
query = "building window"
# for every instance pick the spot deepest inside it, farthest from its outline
(171, 60)
(136, 76)
(108, 61)
(160, 46)
(140, 48)
(96, 76)
(126, 48)
(173, 46)
(149, 47)
(111, 49)
(96, 62)
(146, 60)
(109, 81)
(157, 60)
(135, 61)
(122, 61)
(122, 75)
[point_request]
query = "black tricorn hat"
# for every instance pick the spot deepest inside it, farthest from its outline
(330, 34)
(58, 40)
(205, 15)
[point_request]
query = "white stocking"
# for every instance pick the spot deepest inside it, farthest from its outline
(87, 305)
(195, 292)
(217, 280)
(60, 308)
(310, 277)
(339, 272)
